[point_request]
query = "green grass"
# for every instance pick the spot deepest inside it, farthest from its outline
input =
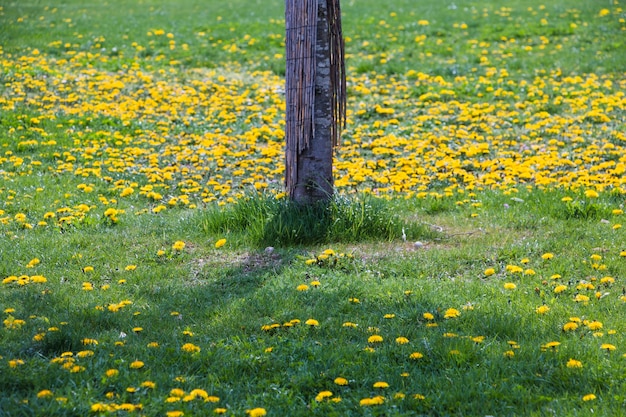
(120, 198)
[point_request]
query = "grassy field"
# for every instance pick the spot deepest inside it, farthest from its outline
(473, 262)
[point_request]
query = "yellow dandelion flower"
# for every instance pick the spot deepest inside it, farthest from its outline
(256, 412)
(136, 365)
(416, 355)
(589, 397)
(489, 271)
(220, 243)
(595, 325)
(573, 363)
(46, 393)
(377, 400)
(190, 348)
(374, 339)
(608, 347)
(323, 395)
(340, 381)
(302, 287)
(509, 286)
(570, 326)
(542, 309)
(178, 245)
(451, 313)
(402, 340)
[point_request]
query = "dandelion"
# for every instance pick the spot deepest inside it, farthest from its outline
(570, 326)
(312, 322)
(148, 384)
(589, 397)
(179, 245)
(509, 286)
(542, 309)
(509, 354)
(581, 298)
(110, 373)
(489, 272)
(374, 339)
(220, 410)
(381, 384)
(340, 381)
(416, 355)
(560, 288)
(100, 408)
(136, 365)
(175, 413)
(451, 313)
(428, 316)
(402, 340)
(302, 287)
(220, 243)
(551, 345)
(256, 412)
(608, 347)
(315, 284)
(603, 280)
(574, 364)
(323, 395)
(377, 400)
(46, 393)
(190, 348)
(547, 256)
(595, 325)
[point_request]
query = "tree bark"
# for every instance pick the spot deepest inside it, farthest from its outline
(315, 163)
(315, 97)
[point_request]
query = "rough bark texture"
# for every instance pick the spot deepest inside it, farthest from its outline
(315, 170)
(315, 89)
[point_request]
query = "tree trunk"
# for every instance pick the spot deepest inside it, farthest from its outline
(315, 86)
(315, 163)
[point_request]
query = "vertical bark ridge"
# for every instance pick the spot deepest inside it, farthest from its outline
(337, 70)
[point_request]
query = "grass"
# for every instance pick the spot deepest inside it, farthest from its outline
(472, 262)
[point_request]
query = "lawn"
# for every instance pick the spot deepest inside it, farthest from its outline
(472, 263)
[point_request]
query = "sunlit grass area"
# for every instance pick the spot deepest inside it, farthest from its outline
(472, 262)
